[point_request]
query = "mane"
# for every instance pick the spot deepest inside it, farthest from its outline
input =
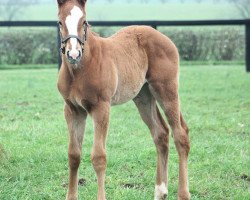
(94, 33)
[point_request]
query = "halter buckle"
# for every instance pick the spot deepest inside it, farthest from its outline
(63, 48)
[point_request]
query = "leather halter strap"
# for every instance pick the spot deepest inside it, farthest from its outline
(64, 40)
(81, 41)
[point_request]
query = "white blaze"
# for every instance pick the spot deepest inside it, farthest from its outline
(72, 24)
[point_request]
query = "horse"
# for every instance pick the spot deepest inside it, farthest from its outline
(137, 63)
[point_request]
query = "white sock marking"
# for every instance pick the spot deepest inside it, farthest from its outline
(160, 191)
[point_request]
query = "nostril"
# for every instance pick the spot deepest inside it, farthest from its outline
(79, 54)
(68, 55)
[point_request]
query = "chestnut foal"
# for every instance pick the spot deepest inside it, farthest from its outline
(138, 63)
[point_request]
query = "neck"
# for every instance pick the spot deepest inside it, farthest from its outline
(89, 48)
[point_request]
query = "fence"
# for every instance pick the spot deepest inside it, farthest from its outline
(153, 24)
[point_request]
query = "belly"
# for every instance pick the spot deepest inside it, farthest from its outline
(131, 65)
(128, 88)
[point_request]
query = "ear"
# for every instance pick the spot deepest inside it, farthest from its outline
(82, 1)
(60, 2)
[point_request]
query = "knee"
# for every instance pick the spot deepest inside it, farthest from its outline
(99, 161)
(74, 159)
(162, 141)
(185, 127)
(182, 141)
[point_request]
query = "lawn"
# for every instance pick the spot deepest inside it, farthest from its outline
(33, 139)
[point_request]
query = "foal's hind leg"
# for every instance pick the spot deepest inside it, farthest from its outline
(150, 114)
(164, 87)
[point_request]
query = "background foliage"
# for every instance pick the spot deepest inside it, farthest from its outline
(22, 46)
(28, 46)
(225, 44)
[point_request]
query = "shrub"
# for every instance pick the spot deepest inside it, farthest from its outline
(209, 44)
(29, 46)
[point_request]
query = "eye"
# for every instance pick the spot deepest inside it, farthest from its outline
(60, 23)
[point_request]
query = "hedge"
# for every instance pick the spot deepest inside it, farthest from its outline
(29, 46)
(223, 44)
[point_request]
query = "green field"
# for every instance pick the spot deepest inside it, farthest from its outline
(172, 11)
(33, 139)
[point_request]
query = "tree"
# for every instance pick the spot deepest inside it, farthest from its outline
(144, 1)
(110, 1)
(243, 6)
(129, 1)
(12, 9)
(163, 1)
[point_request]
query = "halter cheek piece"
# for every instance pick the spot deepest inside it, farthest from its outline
(81, 41)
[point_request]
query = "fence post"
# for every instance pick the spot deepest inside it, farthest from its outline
(59, 47)
(154, 26)
(248, 45)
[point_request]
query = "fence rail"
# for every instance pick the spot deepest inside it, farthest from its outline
(154, 24)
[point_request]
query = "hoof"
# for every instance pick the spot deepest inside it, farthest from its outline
(71, 198)
(163, 197)
(184, 196)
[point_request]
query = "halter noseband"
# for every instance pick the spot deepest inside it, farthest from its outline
(82, 42)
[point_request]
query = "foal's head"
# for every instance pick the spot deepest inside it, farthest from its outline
(73, 28)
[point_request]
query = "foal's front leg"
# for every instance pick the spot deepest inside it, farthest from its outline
(76, 124)
(100, 115)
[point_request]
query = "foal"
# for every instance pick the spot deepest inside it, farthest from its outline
(138, 63)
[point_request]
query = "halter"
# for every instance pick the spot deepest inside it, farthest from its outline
(82, 42)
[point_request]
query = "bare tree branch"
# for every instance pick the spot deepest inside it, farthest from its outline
(12, 9)
(243, 6)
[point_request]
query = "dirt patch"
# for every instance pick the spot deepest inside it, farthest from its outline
(65, 185)
(132, 186)
(81, 182)
(23, 103)
(3, 107)
(2, 151)
(245, 177)
(3, 154)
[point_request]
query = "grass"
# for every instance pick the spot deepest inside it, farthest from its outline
(184, 62)
(27, 66)
(33, 139)
(137, 11)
